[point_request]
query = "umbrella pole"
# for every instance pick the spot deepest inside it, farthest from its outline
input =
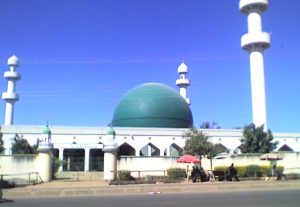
(187, 173)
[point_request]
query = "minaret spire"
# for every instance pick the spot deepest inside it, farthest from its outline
(255, 42)
(183, 82)
(10, 96)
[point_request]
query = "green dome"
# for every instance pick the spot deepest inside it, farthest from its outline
(46, 130)
(111, 131)
(153, 105)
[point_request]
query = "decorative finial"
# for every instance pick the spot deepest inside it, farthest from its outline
(13, 61)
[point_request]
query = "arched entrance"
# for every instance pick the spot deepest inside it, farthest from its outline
(126, 149)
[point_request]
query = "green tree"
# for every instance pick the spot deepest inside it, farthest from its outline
(21, 146)
(209, 125)
(1, 143)
(256, 140)
(197, 144)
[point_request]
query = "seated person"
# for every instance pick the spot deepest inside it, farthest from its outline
(195, 174)
(273, 172)
(204, 176)
(233, 174)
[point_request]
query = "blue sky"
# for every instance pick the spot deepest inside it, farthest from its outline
(79, 57)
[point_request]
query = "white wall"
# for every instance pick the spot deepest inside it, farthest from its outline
(149, 165)
(15, 164)
(25, 166)
(157, 165)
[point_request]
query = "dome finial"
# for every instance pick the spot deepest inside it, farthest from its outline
(46, 129)
(111, 131)
(13, 61)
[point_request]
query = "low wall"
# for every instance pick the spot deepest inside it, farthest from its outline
(290, 161)
(18, 164)
(142, 166)
(21, 169)
(24, 169)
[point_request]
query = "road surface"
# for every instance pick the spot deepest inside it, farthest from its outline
(278, 198)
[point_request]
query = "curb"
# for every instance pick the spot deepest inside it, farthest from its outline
(34, 191)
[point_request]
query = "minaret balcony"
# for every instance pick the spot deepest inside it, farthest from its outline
(247, 5)
(262, 39)
(183, 82)
(12, 75)
(10, 96)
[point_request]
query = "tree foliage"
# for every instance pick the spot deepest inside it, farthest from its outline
(21, 146)
(209, 125)
(255, 140)
(1, 143)
(198, 144)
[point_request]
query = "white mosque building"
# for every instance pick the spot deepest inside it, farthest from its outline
(151, 119)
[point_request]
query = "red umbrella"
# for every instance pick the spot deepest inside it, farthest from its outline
(188, 159)
(271, 156)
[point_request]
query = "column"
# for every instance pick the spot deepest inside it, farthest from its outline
(61, 158)
(86, 159)
(44, 165)
(110, 164)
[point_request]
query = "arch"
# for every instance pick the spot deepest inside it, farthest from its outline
(126, 149)
(149, 150)
(285, 148)
(175, 150)
(221, 148)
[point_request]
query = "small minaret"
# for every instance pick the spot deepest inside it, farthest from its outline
(183, 82)
(110, 149)
(255, 42)
(45, 155)
(10, 96)
(46, 137)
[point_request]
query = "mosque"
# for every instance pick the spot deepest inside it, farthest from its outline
(150, 120)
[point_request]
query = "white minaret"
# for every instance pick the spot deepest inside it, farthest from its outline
(183, 82)
(256, 41)
(10, 96)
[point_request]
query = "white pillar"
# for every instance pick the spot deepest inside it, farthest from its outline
(254, 22)
(86, 159)
(44, 165)
(255, 42)
(9, 113)
(162, 152)
(182, 92)
(149, 151)
(259, 112)
(110, 164)
(137, 151)
(61, 158)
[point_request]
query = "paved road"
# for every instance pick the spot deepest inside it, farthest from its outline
(92, 188)
(279, 198)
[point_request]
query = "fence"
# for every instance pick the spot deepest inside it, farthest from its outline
(22, 178)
